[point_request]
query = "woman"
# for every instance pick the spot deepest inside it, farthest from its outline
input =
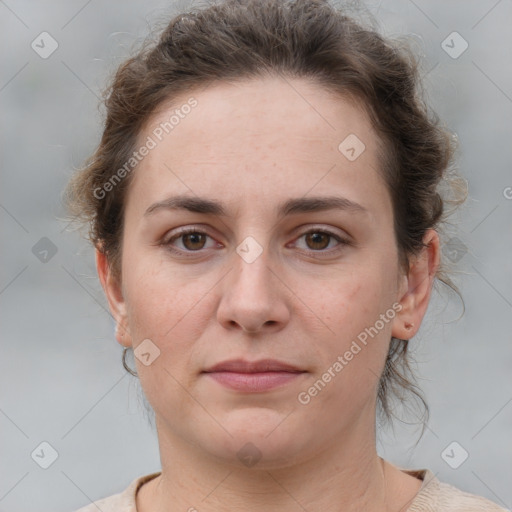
(264, 204)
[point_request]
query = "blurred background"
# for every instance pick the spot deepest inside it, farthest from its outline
(73, 422)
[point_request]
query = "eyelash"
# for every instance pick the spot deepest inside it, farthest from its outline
(187, 253)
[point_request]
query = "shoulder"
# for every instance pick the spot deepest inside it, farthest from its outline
(124, 501)
(456, 499)
(437, 496)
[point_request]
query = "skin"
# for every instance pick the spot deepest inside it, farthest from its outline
(252, 145)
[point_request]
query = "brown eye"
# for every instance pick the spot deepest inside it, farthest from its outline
(317, 240)
(193, 241)
(321, 242)
(188, 241)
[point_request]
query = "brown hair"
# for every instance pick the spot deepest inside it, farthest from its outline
(237, 40)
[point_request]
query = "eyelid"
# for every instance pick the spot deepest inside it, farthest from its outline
(342, 239)
(184, 231)
(320, 228)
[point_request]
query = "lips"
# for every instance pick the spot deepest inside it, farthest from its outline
(242, 366)
(253, 377)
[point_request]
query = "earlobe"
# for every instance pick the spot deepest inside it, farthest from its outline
(113, 292)
(415, 294)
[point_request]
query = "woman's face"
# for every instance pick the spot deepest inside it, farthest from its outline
(271, 274)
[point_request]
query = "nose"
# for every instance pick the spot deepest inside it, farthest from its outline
(254, 299)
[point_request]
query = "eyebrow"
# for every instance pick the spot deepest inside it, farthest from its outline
(289, 207)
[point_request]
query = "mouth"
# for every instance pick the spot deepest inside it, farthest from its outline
(253, 377)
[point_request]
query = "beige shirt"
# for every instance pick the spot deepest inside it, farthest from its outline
(433, 496)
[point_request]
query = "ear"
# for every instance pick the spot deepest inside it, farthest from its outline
(416, 288)
(114, 294)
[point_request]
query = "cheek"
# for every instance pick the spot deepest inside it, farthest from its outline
(166, 311)
(358, 310)
(169, 312)
(157, 297)
(355, 300)
(174, 310)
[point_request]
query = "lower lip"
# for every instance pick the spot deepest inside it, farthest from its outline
(254, 382)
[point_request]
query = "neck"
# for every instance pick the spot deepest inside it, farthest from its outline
(349, 477)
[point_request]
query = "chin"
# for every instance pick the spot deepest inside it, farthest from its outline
(260, 439)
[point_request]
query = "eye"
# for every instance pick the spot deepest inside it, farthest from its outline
(192, 240)
(318, 240)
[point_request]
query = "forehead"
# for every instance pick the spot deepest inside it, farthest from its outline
(285, 135)
(263, 108)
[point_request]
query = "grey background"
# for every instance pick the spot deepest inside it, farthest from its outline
(60, 367)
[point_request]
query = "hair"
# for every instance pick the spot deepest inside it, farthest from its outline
(237, 40)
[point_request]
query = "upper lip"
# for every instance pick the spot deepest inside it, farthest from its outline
(243, 366)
